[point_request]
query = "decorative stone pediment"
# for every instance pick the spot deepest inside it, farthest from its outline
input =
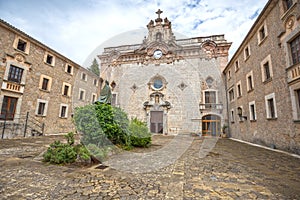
(161, 47)
(156, 102)
(19, 58)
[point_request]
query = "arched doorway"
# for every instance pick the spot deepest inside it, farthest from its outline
(211, 125)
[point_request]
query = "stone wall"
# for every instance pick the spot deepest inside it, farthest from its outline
(30, 91)
(281, 131)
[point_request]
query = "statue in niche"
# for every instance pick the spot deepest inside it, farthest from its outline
(156, 99)
(105, 94)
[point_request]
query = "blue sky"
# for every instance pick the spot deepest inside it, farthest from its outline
(76, 27)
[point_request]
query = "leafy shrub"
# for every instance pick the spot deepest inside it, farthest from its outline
(60, 153)
(99, 153)
(87, 123)
(102, 125)
(139, 133)
(82, 152)
(99, 122)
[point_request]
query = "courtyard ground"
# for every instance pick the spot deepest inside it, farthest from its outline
(230, 170)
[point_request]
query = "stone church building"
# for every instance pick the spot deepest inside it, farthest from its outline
(174, 85)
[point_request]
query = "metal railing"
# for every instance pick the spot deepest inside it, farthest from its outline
(24, 125)
(207, 106)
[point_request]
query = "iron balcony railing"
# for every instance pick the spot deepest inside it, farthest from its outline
(211, 106)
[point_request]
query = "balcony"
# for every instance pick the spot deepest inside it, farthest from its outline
(211, 107)
(293, 72)
(13, 87)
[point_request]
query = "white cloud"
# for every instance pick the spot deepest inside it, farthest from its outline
(76, 28)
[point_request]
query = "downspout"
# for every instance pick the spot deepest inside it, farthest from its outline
(227, 106)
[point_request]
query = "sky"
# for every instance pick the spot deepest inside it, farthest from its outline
(76, 28)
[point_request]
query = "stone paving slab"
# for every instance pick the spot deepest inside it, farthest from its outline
(231, 170)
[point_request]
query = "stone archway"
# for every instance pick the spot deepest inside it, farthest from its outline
(211, 125)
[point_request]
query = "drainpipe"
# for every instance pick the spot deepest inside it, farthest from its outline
(227, 106)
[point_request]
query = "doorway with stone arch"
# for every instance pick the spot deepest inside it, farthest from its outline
(211, 125)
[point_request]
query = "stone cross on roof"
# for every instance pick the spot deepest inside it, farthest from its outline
(159, 12)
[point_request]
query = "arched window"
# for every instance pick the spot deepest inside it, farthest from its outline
(158, 37)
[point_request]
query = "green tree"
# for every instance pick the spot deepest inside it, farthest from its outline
(99, 121)
(94, 67)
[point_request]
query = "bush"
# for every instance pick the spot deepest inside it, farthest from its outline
(99, 153)
(139, 133)
(60, 153)
(99, 122)
(102, 125)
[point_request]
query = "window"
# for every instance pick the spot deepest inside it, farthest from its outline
(250, 83)
(288, 4)
(21, 45)
(241, 114)
(210, 97)
(63, 111)
(81, 94)
(94, 97)
(49, 59)
(232, 116)
(157, 84)
(229, 74)
(247, 52)
(252, 111)
(114, 99)
(66, 89)
(297, 98)
(95, 82)
(266, 69)
(8, 109)
(262, 33)
(231, 95)
(83, 76)
(237, 65)
(42, 106)
(239, 89)
(45, 83)
(69, 69)
(295, 50)
(271, 106)
(158, 37)
(15, 74)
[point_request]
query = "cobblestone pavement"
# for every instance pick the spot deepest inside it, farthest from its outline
(231, 170)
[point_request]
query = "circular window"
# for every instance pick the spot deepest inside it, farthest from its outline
(157, 84)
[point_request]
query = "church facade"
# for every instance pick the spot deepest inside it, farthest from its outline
(174, 85)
